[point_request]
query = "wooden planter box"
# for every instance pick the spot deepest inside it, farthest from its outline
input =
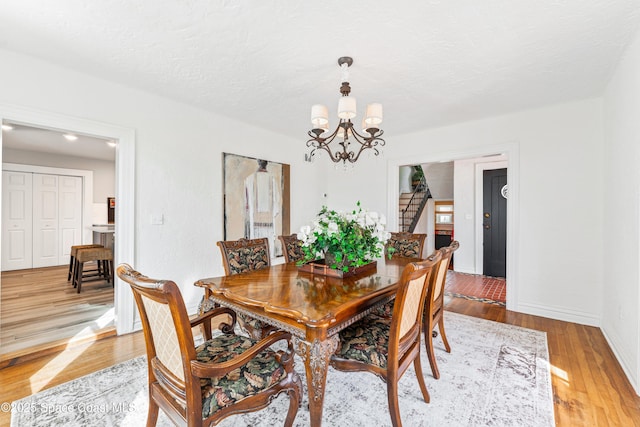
(319, 267)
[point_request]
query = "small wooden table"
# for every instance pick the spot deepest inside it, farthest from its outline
(313, 308)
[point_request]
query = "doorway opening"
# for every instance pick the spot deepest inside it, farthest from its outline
(122, 172)
(52, 186)
(465, 197)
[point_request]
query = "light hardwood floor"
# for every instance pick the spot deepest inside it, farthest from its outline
(38, 307)
(589, 386)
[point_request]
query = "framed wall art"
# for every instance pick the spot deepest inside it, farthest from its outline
(256, 199)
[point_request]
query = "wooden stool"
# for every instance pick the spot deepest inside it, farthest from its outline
(104, 257)
(72, 258)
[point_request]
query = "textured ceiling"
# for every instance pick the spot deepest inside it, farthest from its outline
(429, 63)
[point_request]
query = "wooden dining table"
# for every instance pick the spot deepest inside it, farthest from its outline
(313, 307)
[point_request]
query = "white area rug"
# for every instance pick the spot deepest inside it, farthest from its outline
(496, 375)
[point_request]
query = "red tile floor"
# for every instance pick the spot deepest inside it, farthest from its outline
(491, 290)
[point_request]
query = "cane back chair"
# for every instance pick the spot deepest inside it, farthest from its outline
(435, 298)
(227, 374)
(386, 346)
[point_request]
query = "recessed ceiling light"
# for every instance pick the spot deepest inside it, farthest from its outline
(111, 144)
(7, 127)
(70, 137)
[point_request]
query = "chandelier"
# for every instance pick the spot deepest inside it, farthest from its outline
(350, 143)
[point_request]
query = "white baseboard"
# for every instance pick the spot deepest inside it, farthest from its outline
(612, 340)
(584, 319)
(560, 313)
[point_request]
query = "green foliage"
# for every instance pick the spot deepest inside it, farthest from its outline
(346, 239)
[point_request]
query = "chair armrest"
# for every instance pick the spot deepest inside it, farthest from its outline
(207, 370)
(205, 320)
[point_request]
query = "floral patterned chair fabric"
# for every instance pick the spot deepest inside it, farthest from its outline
(408, 245)
(384, 310)
(226, 375)
(291, 248)
(386, 346)
(261, 373)
(366, 342)
(240, 256)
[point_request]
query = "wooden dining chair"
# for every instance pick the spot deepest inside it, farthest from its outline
(386, 346)
(408, 245)
(435, 302)
(227, 374)
(241, 256)
(434, 307)
(291, 248)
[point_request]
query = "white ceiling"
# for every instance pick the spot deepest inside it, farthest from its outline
(430, 63)
(29, 138)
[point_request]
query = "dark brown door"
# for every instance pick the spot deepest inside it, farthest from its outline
(495, 222)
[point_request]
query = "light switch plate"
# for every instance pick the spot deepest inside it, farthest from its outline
(157, 219)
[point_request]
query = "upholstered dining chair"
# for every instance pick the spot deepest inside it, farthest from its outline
(227, 374)
(241, 256)
(408, 245)
(291, 248)
(386, 346)
(434, 309)
(435, 300)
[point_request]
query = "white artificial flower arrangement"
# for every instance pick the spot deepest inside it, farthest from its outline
(347, 239)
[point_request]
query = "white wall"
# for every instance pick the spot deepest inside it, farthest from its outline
(178, 163)
(365, 181)
(558, 241)
(440, 179)
(621, 200)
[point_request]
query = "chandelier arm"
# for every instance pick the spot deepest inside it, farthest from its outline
(375, 136)
(323, 143)
(367, 142)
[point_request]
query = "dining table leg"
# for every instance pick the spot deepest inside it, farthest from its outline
(316, 357)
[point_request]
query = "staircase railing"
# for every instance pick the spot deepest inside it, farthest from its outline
(423, 203)
(415, 206)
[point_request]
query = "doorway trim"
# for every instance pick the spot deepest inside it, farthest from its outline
(512, 153)
(125, 188)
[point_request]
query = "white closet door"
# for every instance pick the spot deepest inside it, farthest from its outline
(70, 211)
(16, 220)
(45, 220)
